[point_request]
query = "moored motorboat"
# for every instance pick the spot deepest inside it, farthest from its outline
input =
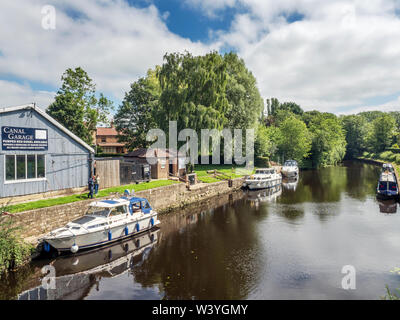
(263, 178)
(387, 186)
(105, 221)
(290, 168)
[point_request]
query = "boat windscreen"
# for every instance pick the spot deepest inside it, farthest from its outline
(98, 211)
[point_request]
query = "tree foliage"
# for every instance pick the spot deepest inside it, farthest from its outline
(76, 106)
(134, 117)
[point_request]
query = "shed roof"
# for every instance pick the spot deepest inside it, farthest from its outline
(50, 119)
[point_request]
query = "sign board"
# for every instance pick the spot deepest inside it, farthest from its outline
(25, 139)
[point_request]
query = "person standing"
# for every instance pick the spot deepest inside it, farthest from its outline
(96, 184)
(91, 186)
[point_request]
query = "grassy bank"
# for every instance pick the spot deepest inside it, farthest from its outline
(83, 196)
(384, 157)
(228, 172)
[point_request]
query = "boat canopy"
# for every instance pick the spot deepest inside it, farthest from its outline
(136, 204)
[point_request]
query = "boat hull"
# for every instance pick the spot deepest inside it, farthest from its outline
(105, 236)
(290, 173)
(386, 196)
(257, 185)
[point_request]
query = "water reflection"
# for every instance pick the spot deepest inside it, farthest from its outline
(387, 206)
(290, 184)
(256, 197)
(77, 274)
(287, 244)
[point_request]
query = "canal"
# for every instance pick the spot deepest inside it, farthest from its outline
(291, 244)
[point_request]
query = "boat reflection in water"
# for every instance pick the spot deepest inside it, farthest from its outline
(262, 196)
(290, 183)
(76, 275)
(387, 206)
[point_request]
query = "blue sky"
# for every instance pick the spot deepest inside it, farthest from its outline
(337, 56)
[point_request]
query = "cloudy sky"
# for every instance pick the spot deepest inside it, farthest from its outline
(336, 56)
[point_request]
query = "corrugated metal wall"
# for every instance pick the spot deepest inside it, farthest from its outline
(67, 161)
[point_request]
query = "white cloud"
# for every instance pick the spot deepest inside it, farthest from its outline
(14, 94)
(342, 53)
(211, 7)
(113, 42)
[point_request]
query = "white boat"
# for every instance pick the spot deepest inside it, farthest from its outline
(105, 221)
(263, 178)
(290, 168)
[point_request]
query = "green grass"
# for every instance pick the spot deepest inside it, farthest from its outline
(202, 175)
(83, 196)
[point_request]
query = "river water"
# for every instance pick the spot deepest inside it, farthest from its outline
(290, 244)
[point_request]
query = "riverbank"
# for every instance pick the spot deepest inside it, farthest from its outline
(381, 158)
(35, 223)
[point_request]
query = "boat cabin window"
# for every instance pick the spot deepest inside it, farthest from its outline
(135, 207)
(117, 211)
(98, 211)
(392, 186)
(145, 205)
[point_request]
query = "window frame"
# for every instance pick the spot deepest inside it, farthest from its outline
(26, 168)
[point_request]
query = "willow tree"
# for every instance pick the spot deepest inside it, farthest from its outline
(192, 91)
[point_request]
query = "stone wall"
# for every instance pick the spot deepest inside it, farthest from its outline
(37, 222)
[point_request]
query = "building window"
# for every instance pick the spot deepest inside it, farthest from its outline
(24, 167)
(10, 167)
(103, 139)
(162, 161)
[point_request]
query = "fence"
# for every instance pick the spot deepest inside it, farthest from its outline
(108, 171)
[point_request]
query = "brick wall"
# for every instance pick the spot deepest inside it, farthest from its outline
(40, 221)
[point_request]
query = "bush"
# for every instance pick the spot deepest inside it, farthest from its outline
(14, 252)
(262, 162)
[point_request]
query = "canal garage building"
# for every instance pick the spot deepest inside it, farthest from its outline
(39, 155)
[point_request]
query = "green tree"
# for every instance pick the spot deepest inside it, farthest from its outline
(76, 106)
(265, 144)
(193, 91)
(295, 140)
(245, 103)
(356, 129)
(329, 140)
(382, 133)
(134, 117)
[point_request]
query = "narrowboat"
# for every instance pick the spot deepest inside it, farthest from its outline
(387, 186)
